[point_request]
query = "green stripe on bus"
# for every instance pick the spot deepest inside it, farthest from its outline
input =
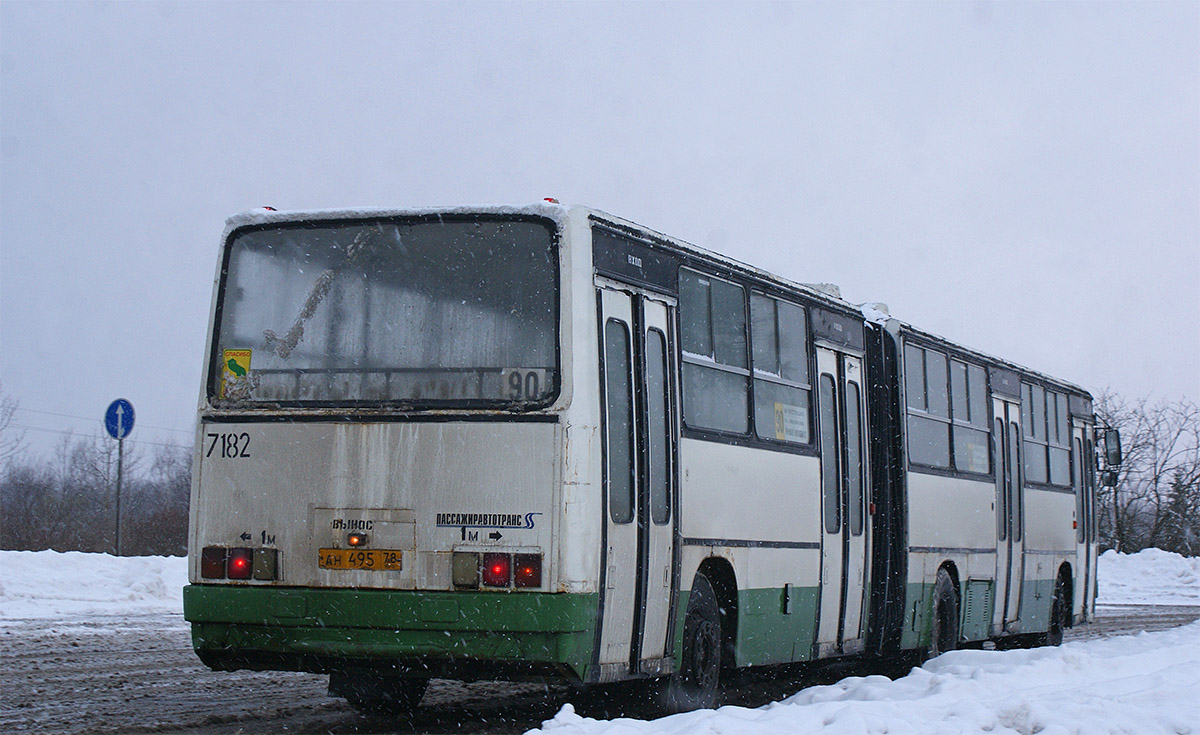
(382, 624)
(768, 635)
(1037, 598)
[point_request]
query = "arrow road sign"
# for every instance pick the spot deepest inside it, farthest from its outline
(118, 419)
(495, 535)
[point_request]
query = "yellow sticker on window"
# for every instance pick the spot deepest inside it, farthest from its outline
(235, 366)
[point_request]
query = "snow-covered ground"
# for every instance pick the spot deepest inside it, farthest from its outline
(1150, 577)
(72, 584)
(1146, 683)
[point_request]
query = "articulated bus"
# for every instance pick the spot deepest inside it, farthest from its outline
(545, 442)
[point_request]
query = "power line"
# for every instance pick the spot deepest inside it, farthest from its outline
(93, 418)
(73, 433)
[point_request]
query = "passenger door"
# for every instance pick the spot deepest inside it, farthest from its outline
(844, 521)
(639, 470)
(1010, 514)
(1082, 477)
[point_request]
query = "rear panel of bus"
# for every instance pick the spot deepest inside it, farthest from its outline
(378, 463)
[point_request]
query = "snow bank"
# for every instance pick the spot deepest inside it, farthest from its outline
(52, 584)
(1144, 683)
(1149, 577)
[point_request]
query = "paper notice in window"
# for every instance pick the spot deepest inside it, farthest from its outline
(978, 458)
(791, 422)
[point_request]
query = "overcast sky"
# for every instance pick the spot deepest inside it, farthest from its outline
(1023, 178)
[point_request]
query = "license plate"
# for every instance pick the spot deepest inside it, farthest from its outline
(384, 560)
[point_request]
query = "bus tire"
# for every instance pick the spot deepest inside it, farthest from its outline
(378, 694)
(944, 635)
(695, 685)
(1054, 629)
(1058, 611)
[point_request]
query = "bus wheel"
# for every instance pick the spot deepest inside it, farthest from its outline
(1058, 621)
(1058, 610)
(694, 685)
(945, 616)
(377, 694)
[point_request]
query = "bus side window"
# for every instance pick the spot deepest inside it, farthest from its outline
(968, 390)
(928, 406)
(1016, 484)
(712, 315)
(779, 337)
(854, 464)
(657, 405)
(830, 477)
(1080, 501)
(1033, 409)
(619, 395)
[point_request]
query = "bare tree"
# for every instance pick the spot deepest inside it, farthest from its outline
(1157, 498)
(68, 502)
(11, 442)
(27, 503)
(158, 515)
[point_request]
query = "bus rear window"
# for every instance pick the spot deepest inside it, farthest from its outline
(426, 313)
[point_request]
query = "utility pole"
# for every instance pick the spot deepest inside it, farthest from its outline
(118, 421)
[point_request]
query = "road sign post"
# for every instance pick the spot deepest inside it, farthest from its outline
(118, 422)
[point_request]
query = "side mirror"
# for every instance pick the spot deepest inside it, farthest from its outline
(1108, 478)
(1112, 448)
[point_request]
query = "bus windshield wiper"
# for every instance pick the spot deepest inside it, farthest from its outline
(365, 241)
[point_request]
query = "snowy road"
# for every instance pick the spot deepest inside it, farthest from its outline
(137, 673)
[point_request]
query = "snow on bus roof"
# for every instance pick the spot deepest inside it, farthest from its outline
(992, 360)
(269, 215)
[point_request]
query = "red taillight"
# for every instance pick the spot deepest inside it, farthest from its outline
(212, 562)
(497, 570)
(528, 572)
(240, 564)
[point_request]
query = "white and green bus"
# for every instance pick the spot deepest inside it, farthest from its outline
(546, 442)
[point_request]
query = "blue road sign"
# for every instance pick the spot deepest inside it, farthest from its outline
(118, 419)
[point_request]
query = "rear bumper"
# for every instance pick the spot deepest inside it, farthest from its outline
(463, 635)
